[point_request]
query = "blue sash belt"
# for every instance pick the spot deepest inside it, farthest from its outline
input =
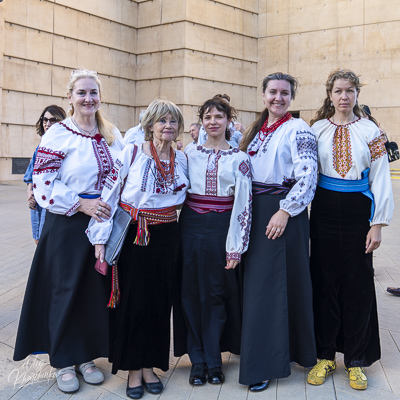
(349, 186)
(89, 196)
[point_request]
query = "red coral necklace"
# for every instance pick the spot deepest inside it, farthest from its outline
(166, 171)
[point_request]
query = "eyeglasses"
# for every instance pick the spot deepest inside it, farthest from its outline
(52, 120)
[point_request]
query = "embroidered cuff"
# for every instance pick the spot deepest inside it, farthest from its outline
(73, 209)
(233, 256)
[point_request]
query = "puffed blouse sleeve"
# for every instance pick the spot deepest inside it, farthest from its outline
(99, 232)
(380, 182)
(240, 223)
(50, 192)
(305, 169)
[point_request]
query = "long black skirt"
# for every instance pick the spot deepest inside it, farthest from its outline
(140, 324)
(345, 310)
(210, 293)
(64, 312)
(278, 325)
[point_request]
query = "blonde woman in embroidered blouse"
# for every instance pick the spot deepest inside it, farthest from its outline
(156, 184)
(63, 312)
(346, 225)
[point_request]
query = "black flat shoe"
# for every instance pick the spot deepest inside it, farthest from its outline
(197, 375)
(259, 387)
(215, 376)
(134, 392)
(153, 387)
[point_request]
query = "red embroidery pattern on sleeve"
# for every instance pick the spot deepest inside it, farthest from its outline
(245, 169)
(72, 209)
(376, 148)
(113, 175)
(244, 219)
(233, 256)
(47, 161)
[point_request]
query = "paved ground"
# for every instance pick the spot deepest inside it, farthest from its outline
(33, 379)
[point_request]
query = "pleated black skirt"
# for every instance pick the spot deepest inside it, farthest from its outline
(140, 324)
(210, 293)
(278, 325)
(64, 312)
(345, 309)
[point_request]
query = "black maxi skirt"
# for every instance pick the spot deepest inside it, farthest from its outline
(278, 326)
(345, 309)
(140, 324)
(64, 312)
(210, 293)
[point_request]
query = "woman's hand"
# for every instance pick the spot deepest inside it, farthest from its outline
(231, 264)
(374, 238)
(277, 224)
(239, 127)
(100, 251)
(95, 208)
(31, 197)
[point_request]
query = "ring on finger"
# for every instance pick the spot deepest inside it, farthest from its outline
(99, 209)
(97, 212)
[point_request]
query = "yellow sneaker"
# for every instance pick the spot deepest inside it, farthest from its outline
(320, 372)
(358, 380)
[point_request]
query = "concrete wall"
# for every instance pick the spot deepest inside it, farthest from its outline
(309, 38)
(187, 51)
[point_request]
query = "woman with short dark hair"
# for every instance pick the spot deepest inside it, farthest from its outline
(215, 225)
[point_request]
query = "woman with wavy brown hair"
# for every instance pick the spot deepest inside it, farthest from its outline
(353, 201)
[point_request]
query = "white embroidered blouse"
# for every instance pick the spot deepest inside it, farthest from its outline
(365, 150)
(144, 188)
(225, 173)
(287, 155)
(70, 163)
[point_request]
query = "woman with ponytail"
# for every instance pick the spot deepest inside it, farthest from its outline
(277, 299)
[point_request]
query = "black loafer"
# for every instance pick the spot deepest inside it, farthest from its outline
(259, 387)
(215, 376)
(134, 392)
(197, 375)
(393, 290)
(153, 387)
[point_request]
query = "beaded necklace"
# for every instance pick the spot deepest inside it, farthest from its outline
(166, 171)
(266, 130)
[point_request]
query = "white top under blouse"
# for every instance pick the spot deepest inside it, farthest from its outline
(225, 173)
(190, 147)
(234, 141)
(366, 150)
(144, 188)
(70, 163)
(287, 154)
(134, 135)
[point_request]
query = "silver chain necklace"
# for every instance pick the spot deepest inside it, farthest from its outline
(90, 133)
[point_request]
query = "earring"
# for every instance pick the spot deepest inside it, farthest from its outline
(70, 107)
(331, 104)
